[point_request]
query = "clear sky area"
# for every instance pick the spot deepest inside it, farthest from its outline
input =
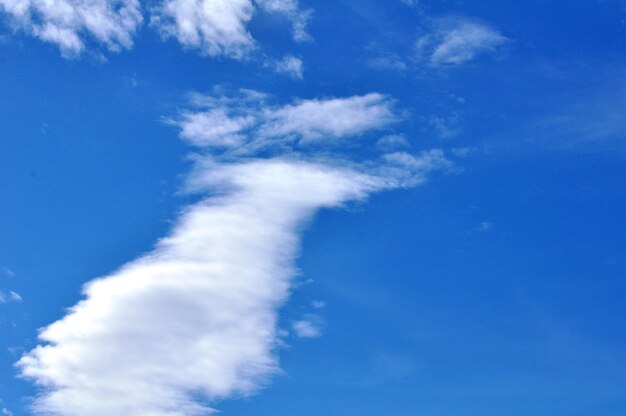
(306, 207)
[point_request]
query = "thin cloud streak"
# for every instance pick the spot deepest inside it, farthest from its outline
(457, 41)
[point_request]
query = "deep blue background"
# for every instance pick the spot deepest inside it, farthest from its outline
(428, 313)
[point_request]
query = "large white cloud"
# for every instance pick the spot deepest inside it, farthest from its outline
(194, 320)
(69, 24)
(197, 315)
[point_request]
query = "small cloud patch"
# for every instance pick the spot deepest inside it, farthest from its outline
(308, 327)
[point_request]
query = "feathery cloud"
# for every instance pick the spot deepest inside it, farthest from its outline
(456, 41)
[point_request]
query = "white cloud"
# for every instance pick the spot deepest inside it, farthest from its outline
(69, 24)
(8, 272)
(308, 327)
(195, 319)
(214, 128)
(219, 27)
(290, 65)
(215, 27)
(456, 41)
(6, 412)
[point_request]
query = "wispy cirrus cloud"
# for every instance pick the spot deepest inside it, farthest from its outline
(71, 24)
(195, 319)
(10, 296)
(456, 41)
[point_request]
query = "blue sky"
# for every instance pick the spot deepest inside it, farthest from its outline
(296, 207)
